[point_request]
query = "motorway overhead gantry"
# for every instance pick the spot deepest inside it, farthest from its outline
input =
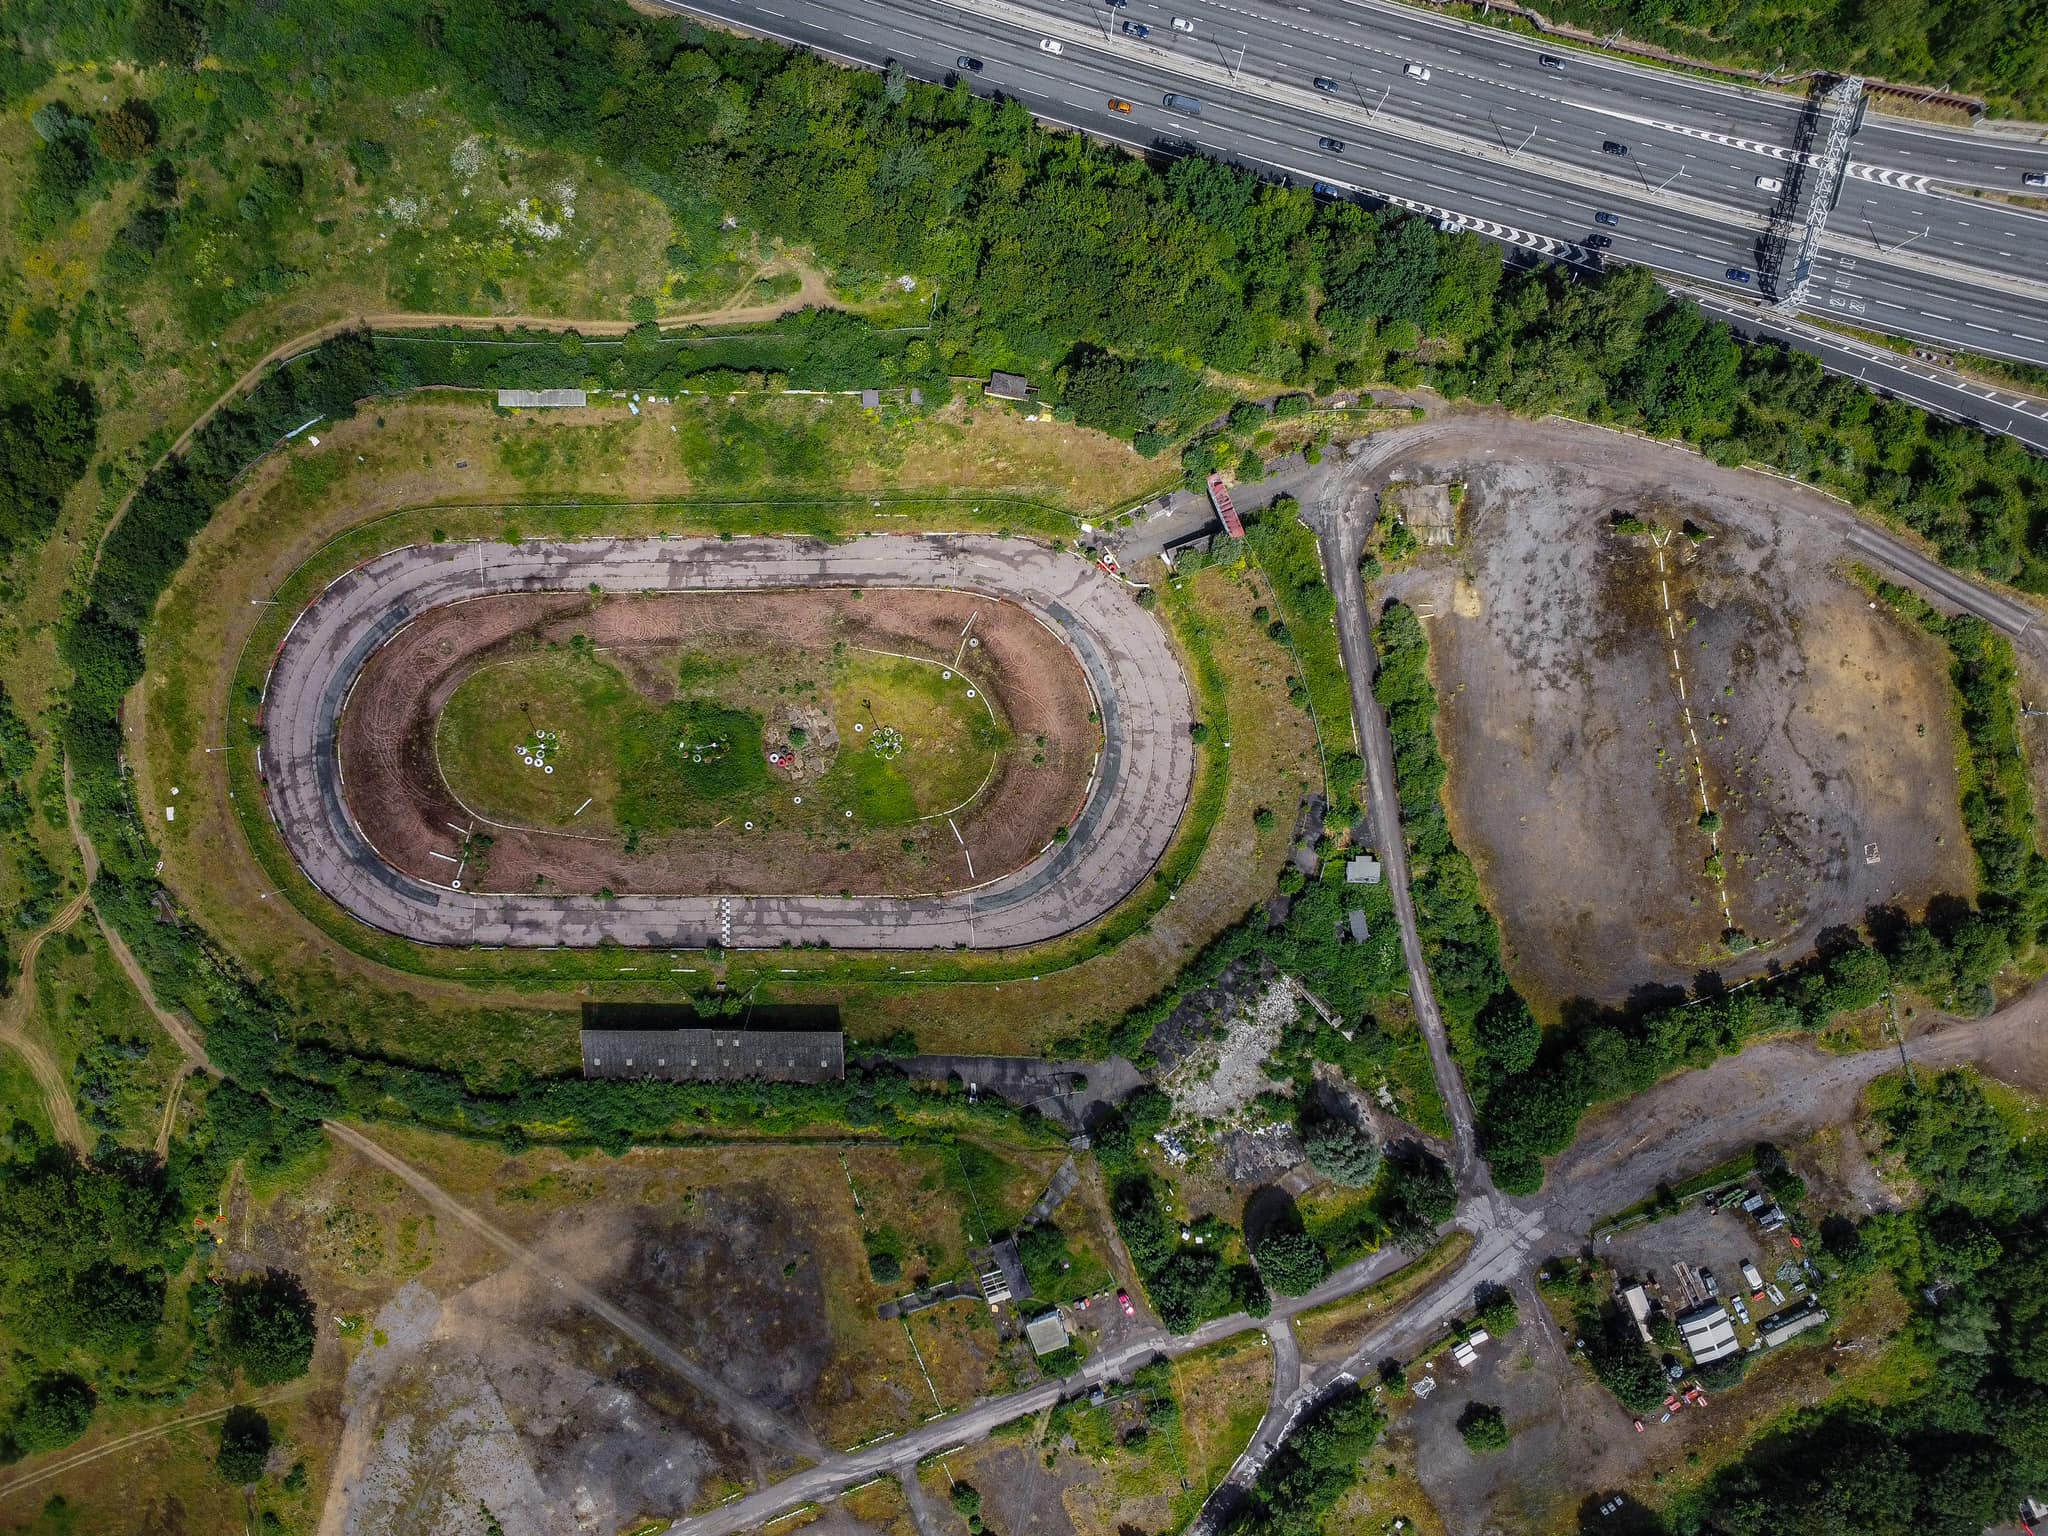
(1507, 136)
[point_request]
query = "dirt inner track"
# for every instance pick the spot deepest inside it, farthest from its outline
(398, 796)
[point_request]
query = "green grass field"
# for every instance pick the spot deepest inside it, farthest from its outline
(562, 738)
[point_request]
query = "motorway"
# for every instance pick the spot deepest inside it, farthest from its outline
(1502, 143)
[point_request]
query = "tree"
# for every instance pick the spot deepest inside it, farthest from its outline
(266, 1327)
(1292, 1263)
(1484, 1427)
(1509, 1034)
(885, 1267)
(1342, 1152)
(165, 33)
(53, 1413)
(244, 1446)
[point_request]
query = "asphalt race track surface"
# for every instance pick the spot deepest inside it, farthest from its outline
(1134, 802)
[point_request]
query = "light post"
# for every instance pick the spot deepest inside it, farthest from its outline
(1512, 149)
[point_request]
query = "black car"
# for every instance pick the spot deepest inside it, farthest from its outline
(1608, 219)
(1331, 146)
(1612, 148)
(1137, 29)
(973, 65)
(1550, 61)
(1326, 85)
(1598, 242)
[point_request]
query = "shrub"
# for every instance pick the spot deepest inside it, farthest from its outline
(1342, 1152)
(886, 1268)
(1484, 1427)
(244, 1446)
(1498, 1314)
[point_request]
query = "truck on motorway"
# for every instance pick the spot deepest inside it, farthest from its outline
(1173, 101)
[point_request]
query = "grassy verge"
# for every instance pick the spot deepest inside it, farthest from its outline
(1331, 1331)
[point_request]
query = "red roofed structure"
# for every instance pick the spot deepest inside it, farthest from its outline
(1220, 499)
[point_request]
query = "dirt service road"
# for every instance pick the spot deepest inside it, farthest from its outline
(1131, 812)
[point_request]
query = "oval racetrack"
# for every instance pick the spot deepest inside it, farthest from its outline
(1134, 802)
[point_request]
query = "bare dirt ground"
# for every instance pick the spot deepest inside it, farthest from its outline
(399, 798)
(1598, 689)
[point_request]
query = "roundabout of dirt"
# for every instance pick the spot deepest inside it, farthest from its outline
(851, 768)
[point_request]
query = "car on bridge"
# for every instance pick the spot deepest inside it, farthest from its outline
(1173, 101)
(1137, 29)
(1603, 217)
(1550, 61)
(1330, 146)
(1326, 85)
(1613, 147)
(1769, 184)
(1417, 71)
(1183, 24)
(1118, 104)
(971, 65)
(1598, 242)
(1740, 275)
(2034, 179)
(1051, 45)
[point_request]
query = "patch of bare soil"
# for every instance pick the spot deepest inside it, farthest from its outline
(1601, 689)
(397, 794)
(505, 1395)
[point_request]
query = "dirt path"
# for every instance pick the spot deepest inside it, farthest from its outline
(815, 293)
(42, 1065)
(130, 1441)
(756, 1421)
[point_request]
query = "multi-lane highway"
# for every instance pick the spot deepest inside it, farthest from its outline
(1514, 146)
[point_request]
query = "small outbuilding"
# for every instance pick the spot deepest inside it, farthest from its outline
(1047, 1334)
(1637, 1301)
(1776, 1330)
(1009, 386)
(1363, 870)
(535, 399)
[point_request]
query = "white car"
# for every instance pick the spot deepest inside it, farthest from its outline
(1051, 45)
(1418, 71)
(1183, 24)
(1769, 184)
(1741, 1310)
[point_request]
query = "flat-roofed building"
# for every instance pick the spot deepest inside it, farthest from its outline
(716, 1055)
(535, 399)
(1776, 1330)
(1709, 1332)
(1047, 1333)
